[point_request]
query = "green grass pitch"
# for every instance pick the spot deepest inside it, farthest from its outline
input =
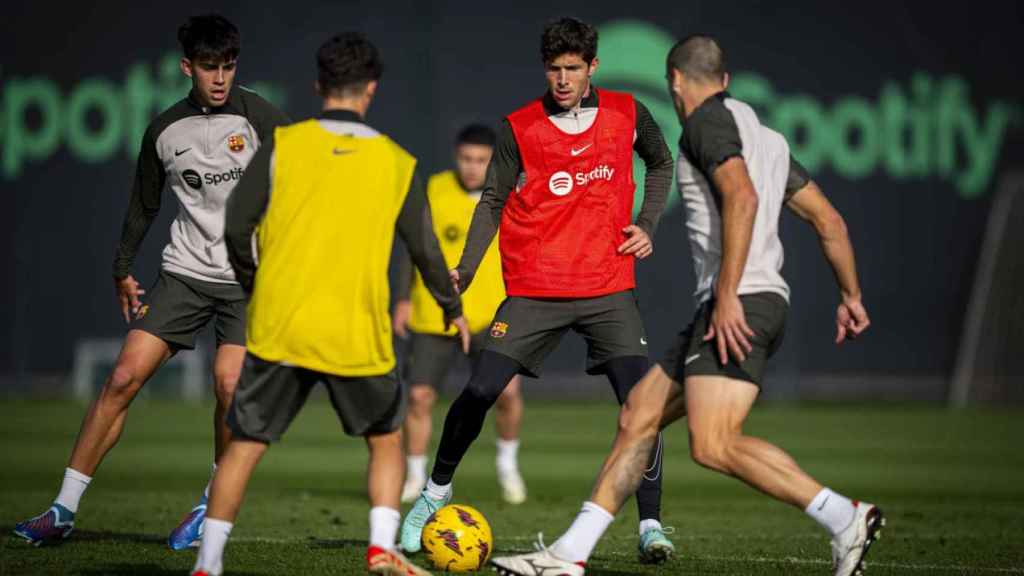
(951, 484)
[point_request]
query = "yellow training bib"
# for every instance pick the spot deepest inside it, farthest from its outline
(452, 210)
(321, 294)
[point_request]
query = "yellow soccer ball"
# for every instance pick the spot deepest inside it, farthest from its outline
(457, 538)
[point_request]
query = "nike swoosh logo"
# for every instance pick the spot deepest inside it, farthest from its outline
(340, 151)
(577, 152)
(177, 153)
(822, 507)
(691, 359)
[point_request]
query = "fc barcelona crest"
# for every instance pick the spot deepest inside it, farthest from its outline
(236, 143)
(499, 329)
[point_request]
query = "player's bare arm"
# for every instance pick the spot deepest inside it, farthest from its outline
(739, 206)
(810, 204)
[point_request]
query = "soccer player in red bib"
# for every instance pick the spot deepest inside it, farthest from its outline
(735, 175)
(560, 188)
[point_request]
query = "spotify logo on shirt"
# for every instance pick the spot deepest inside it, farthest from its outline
(560, 183)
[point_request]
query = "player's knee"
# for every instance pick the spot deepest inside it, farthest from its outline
(421, 399)
(491, 376)
(510, 397)
(638, 422)
(482, 393)
(224, 384)
(383, 442)
(709, 450)
(124, 383)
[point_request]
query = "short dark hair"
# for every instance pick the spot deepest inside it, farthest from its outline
(476, 134)
(210, 37)
(347, 61)
(699, 57)
(568, 36)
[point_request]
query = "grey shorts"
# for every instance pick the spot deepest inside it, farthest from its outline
(528, 329)
(431, 356)
(177, 307)
(690, 355)
(269, 396)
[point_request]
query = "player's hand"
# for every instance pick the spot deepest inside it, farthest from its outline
(729, 329)
(463, 327)
(639, 243)
(128, 293)
(454, 276)
(851, 319)
(400, 318)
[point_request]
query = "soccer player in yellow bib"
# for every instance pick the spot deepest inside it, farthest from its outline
(454, 195)
(327, 196)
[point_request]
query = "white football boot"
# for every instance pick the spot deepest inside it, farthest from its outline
(539, 563)
(513, 489)
(850, 546)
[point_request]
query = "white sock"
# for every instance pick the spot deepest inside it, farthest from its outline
(649, 524)
(72, 488)
(384, 526)
(211, 551)
(438, 491)
(416, 467)
(508, 455)
(833, 511)
(579, 541)
(213, 472)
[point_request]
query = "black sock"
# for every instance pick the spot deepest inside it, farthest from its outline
(623, 373)
(492, 372)
(648, 495)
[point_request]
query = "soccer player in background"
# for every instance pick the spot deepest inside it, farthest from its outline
(562, 193)
(327, 196)
(198, 148)
(453, 196)
(735, 176)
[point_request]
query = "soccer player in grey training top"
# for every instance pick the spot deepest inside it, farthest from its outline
(198, 148)
(735, 176)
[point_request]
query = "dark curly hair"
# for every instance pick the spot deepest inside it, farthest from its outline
(568, 36)
(347, 61)
(210, 37)
(476, 134)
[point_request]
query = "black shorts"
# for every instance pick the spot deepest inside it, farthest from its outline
(431, 356)
(177, 307)
(528, 329)
(269, 396)
(690, 355)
